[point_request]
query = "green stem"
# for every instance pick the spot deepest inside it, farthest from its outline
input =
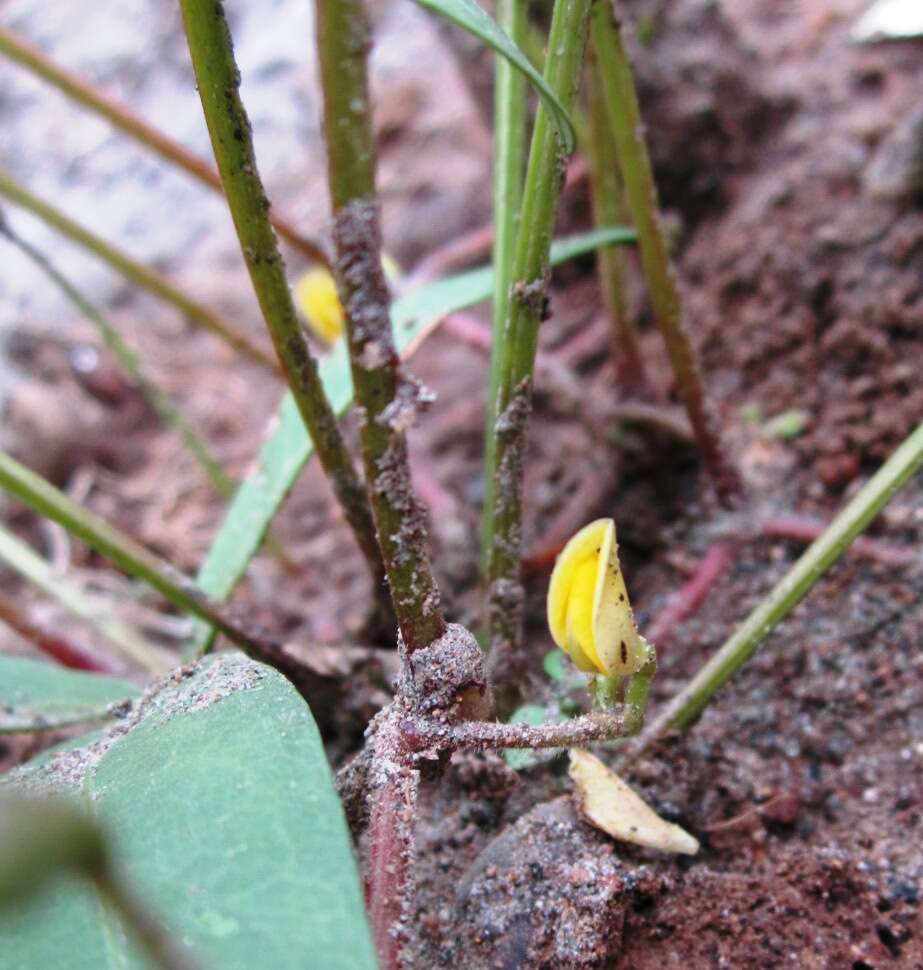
(19, 557)
(229, 127)
(608, 209)
(789, 591)
(627, 128)
(146, 278)
(510, 115)
(159, 401)
(90, 97)
(128, 555)
(527, 306)
(387, 399)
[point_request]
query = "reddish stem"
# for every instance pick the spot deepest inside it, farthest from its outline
(53, 646)
(389, 883)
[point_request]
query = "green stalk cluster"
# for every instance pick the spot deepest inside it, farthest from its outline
(527, 307)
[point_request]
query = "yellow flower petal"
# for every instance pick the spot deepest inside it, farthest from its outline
(316, 298)
(615, 637)
(588, 610)
(579, 637)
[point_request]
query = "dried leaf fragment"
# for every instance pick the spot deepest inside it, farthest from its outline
(612, 806)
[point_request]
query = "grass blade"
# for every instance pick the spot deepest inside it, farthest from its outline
(288, 448)
(131, 557)
(607, 195)
(510, 115)
(146, 278)
(122, 118)
(469, 16)
(686, 706)
(19, 557)
(624, 114)
(159, 400)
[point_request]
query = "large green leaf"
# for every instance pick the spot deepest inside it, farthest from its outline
(35, 695)
(288, 447)
(469, 16)
(221, 808)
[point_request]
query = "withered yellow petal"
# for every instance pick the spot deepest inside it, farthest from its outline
(612, 806)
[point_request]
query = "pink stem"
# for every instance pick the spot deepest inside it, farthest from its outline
(50, 644)
(389, 881)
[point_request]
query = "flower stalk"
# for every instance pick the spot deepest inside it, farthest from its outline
(218, 83)
(624, 115)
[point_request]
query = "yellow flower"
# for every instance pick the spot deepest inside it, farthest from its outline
(588, 610)
(316, 298)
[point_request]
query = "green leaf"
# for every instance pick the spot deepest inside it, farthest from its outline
(787, 424)
(288, 447)
(35, 696)
(469, 16)
(554, 667)
(221, 809)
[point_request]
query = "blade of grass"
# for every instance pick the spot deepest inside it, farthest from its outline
(606, 192)
(686, 706)
(469, 16)
(159, 400)
(146, 278)
(81, 91)
(218, 82)
(627, 127)
(527, 307)
(510, 115)
(288, 448)
(387, 400)
(131, 557)
(19, 557)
